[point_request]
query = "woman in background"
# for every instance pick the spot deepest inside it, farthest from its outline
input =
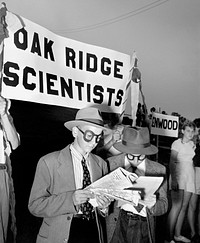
(181, 181)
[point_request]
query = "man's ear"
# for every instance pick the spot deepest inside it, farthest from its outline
(74, 131)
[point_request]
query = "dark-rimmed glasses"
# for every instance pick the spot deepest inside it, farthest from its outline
(88, 135)
(140, 157)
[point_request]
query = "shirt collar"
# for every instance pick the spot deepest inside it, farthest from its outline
(77, 154)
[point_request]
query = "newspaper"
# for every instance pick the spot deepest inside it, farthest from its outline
(125, 186)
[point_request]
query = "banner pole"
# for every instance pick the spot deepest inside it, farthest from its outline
(157, 145)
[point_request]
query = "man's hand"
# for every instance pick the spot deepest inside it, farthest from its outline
(150, 201)
(103, 201)
(3, 105)
(116, 136)
(81, 196)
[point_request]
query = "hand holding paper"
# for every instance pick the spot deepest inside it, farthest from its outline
(103, 201)
(149, 201)
(127, 187)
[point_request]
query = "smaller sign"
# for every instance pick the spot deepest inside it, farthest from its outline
(164, 125)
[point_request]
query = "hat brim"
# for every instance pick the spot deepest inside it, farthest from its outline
(70, 124)
(131, 150)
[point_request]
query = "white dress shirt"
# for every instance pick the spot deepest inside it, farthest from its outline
(78, 168)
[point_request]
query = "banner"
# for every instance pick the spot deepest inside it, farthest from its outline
(42, 67)
(164, 125)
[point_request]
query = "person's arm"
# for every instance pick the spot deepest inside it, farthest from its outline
(7, 124)
(48, 198)
(114, 137)
(10, 131)
(42, 201)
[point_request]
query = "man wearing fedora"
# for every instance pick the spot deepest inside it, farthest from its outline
(58, 193)
(126, 223)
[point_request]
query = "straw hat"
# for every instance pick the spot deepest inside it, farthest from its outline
(87, 116)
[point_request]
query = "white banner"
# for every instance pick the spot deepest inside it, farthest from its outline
(164, 125)
(42, 67)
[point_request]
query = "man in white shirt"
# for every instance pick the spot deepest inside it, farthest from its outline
(58, 193)
(129, 224)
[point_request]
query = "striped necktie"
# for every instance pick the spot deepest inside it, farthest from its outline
(86, 207)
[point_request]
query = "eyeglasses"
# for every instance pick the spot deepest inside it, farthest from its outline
(88, 135)
(140, 157)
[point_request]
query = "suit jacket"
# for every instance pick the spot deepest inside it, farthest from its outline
(161, 205)
(51, 194)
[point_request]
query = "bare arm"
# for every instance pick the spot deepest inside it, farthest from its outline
(7, 124)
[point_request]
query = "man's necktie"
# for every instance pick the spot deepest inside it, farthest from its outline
(139, 207)
(86, 207)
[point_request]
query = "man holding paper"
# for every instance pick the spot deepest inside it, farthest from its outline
(135, 224)
(59, 193)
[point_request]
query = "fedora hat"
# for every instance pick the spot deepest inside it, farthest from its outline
(87, 116)
(136, 140)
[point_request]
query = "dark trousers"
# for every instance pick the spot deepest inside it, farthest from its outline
(83, 231)
(130, 228)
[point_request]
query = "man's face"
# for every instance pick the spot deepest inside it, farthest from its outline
(87, 137)
(135, 159)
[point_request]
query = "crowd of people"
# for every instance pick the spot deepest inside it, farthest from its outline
(72, 213)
